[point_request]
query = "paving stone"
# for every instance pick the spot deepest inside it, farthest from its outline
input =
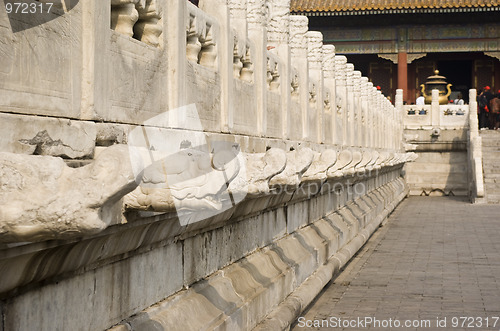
(491, 165)
(436, 257)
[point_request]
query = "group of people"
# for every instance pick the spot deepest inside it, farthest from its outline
(458, 101)
(488, 109)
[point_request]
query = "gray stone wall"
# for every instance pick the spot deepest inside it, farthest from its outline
(230, 275)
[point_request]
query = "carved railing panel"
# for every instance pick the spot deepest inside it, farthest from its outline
(201, 45)
(140, 19)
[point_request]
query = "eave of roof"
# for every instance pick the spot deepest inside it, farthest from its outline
(373, 7)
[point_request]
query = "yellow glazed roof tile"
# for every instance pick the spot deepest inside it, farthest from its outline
(361, 5)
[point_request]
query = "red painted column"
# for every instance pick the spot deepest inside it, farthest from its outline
(403, 74)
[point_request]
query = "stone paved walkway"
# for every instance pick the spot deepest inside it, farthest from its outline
(436, 259)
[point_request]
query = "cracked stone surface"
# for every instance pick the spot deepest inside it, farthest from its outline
(37, 135)
(41, 198)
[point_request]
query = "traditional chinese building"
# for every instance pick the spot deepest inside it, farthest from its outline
(398, 43)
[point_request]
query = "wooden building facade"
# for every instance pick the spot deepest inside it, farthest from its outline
(399, 43)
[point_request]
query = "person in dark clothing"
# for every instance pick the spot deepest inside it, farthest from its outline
(494, 106)
(491, 117)
(482, 110)
(488, 95)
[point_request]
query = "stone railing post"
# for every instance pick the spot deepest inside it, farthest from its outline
(357, 125)
(364, 112)
(315, 60)
(369, 115)
(341, 100)
(94, 57)
(384, 122)
(329, 83)
(298, 52)
(398, 104)
(278, 38)
(220, 11)
(256, 25)
(380, 119)
(473, 119)
(350, 125)
(376, 117)
(435, 111)
(475, 154)
(390, 124)
(177, 62)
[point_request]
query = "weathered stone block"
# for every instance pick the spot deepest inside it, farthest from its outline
(132, 83)
(297, 216)
(41, 69)
(66, 138)
(331, 236)
(298, 255)
(63, 202)
(210, 251)
(108, 294)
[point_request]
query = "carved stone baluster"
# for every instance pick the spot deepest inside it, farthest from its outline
(148, 28)
(208, 49)
(123, 16)
(247, 69)
(326, 102)
(193, 45)
(269, 75)
(312, 94)
(275, 82)
(295, 84)
(237, 59)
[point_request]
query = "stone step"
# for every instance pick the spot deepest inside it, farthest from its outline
(490, 139)
(491, 162)
(490, 145)
(490, 136)
(493, 198)
(492, 193)
(489, 132)
(491, 165)
(492, 177)
(493, 189)
(491, 149)
(492, 168)
(493, 146)
(488, 172)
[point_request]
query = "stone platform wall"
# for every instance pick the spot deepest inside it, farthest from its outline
(265, 266)
(439, 134)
